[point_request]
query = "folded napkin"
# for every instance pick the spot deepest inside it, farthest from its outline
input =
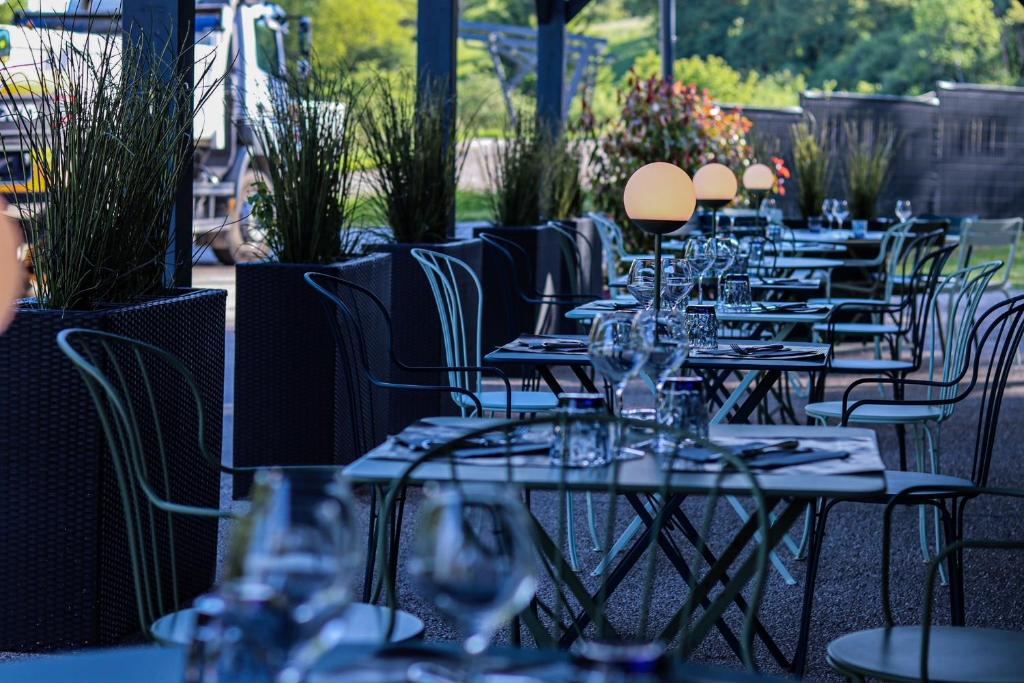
(795, 308)
(785, 353)
(546, 344)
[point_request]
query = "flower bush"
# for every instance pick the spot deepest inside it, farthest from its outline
(662, 121)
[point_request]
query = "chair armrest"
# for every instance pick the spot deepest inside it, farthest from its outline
(483, 370)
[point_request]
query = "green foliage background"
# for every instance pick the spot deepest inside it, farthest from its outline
(752, 52)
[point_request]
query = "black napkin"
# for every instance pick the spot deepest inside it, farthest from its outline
(771, 459)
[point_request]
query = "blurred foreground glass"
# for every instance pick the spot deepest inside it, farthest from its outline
(699, 254)
(904, 212)
(640, 281)
(663, 339)
(472, 557)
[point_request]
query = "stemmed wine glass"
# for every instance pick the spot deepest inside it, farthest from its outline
(616, 352)
(676, 283)
(699, 254)
(473, 558)
(725, 250)
(640, 281)
(903, 210)
(841, 210)
(827, 209)
(662, 337)
(302, 549)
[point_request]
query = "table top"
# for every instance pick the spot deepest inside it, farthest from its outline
(845, 236)
(807, 247)
(502, 357)
(154, 664)
(780, 284)
(802, 263)
(860, 477)
(590, 310)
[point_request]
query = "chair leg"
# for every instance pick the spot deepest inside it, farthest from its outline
(922, 516)
(933, 461)
(570, 527)
(592, 522)
(818, 512)
(371, 546)
(901, 435)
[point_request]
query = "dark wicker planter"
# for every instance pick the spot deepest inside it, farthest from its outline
(284, 370)
(418, 339)
(66, 580)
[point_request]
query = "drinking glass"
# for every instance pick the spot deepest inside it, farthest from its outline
(903, 210)
(827, 208)
(681, 407)
(700, 256)
(663, 339)
(302, 552)
(473, 558)
(640, 281)
(736, 296)
(615, 352)
(581, 443)
(767, 209)
(676, 282)
(841, 210)
(724, 254)
(701, 324)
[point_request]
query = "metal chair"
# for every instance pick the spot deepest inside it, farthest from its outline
(613, 245)
(128, 380)
(991, 348)
(559, 617)
(929, 652)
(448, 278)
(984, 234)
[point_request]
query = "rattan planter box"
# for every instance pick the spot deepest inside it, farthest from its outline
(65, 576)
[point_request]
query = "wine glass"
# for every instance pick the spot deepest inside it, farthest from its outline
(473, 558)
(724, 250)
(767, 209)
(662, 337)
(615, 352)
(302, 549)
(640, 281)
(700, 256)
(676, 282)
(903, 210)
(841, 210)
(827, 207)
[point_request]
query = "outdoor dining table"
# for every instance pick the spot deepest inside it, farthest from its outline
(155, 664)
(766, 285)
(804, 247)
(844, 236)
(759, 374)
(788, 491)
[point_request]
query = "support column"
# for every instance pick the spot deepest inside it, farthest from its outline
(551, 18)
(668, 39)
(437, 33)
(155, 23)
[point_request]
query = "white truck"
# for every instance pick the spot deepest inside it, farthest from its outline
(244, 40)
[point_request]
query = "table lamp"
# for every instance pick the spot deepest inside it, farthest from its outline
(759, 180)
(716, 186)
(659, 198)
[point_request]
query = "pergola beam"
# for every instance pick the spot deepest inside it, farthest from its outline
(668, 39)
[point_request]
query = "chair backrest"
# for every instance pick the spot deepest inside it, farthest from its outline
(611, 243)
(991, 233)
(970, 285)
(132, 383)
(922, 290)
(449, 277)
(352, 310)
(565, 609)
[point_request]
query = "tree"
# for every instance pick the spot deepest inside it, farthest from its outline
(376, 35)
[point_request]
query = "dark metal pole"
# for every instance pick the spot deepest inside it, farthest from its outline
(437, 33)
(157, 23)
(668, 38)
(551, 17)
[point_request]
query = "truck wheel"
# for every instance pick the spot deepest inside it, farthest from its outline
(241, 240)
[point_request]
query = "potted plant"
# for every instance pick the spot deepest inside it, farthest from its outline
(813, 169)
(304, 204)
(110, 142)
(867, 170)
(415, 147)
(664, 121)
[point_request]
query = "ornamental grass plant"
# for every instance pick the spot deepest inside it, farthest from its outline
(307, 195)
(110, 135)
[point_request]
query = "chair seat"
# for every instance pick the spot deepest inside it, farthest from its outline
(875, 414)
(364, 624)
(866, 329)
(522, 401)
(897, 481)
(955, 654)
(869, 365)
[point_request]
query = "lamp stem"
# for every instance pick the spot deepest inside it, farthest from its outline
(657, 274)
(714, 223)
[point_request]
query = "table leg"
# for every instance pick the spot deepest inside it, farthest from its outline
(549, 379)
